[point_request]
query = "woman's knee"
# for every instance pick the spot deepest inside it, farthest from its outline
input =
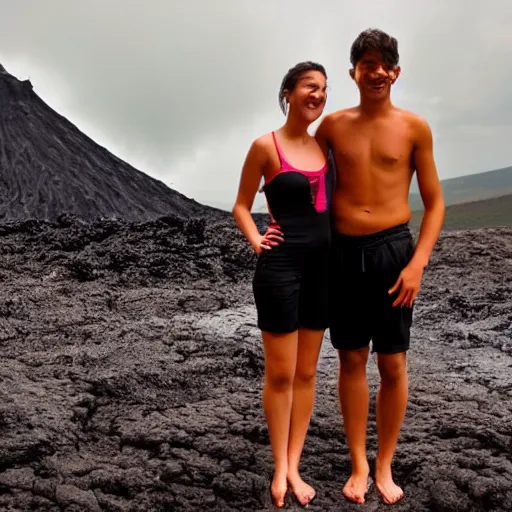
(305, 376)
(280, 360)
(279, 380)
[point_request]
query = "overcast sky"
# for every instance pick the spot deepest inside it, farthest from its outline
(180, 88)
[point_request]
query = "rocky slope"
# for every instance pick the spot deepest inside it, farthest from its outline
(131, 375)
(49, 167)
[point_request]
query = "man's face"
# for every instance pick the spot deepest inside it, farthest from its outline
(373, 76)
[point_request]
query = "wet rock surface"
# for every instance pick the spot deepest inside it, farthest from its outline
(132, 368)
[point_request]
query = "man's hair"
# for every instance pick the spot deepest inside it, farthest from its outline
(374, 39)
(292, 77)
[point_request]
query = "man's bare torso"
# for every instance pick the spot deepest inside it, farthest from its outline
(374, 160)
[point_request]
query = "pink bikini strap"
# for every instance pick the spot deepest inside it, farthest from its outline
(279, 152)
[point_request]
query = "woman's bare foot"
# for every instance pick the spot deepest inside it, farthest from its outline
(302, 491)
(390, 492)
(357, 485)
(278, 490)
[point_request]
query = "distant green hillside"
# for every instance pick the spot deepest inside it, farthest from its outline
(474, 187)
(495, 212)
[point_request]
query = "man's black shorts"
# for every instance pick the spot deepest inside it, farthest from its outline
(363, 269)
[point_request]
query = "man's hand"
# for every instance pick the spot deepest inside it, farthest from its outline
(408, 282)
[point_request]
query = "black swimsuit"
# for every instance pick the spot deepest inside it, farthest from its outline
(291, 280)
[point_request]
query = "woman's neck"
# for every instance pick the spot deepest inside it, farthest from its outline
(295, 129)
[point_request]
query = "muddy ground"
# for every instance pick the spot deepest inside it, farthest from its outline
(131, 375)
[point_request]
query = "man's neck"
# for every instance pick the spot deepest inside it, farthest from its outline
(375, 108)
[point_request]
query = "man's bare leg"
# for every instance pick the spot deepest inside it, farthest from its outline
(391, 406)
(302, 406)
(354, 398)
(280, 362)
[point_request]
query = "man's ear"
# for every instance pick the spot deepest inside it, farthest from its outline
(394, 74)
(352, 73)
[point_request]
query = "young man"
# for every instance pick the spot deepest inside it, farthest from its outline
(376, 270)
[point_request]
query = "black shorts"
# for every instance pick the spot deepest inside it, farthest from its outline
(363, 269)
(290, 288)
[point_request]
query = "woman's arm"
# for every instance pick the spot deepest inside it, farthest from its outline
(252, 171)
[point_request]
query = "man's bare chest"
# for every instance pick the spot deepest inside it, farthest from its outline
(386, 148)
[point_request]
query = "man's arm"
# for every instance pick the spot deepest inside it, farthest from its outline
(409, 281)
(431, 194)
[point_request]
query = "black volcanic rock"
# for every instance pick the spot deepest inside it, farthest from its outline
(132, 369)
(49, 167)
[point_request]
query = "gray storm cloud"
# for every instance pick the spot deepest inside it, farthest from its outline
(180, 89)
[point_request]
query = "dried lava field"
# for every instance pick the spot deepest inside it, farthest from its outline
(131, 375)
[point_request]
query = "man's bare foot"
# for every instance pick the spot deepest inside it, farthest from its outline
(302, 491)
(357, 486)
(390, 492)
(278, 490)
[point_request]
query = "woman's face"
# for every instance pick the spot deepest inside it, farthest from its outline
(307, 99)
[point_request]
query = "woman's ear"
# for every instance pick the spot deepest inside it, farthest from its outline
(286, 96)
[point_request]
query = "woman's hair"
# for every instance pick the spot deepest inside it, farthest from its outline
(292, 77)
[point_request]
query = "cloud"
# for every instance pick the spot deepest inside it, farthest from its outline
(180, 89)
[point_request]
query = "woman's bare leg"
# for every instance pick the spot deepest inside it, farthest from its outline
(308, 350)
(280, 362)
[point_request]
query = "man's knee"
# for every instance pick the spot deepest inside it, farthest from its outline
(392, 368)
(353, 361)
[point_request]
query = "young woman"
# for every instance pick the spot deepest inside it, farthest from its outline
(291, 277)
